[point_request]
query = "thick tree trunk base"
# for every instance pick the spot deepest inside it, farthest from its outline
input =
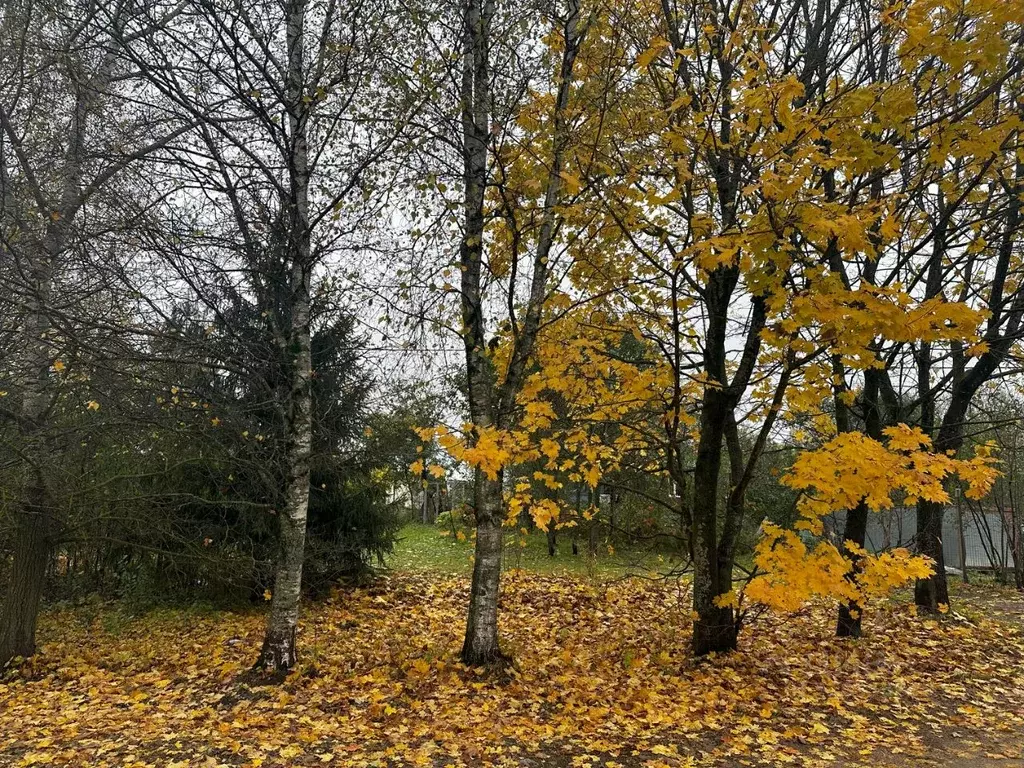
(279, 653)
(491, 658)
(714, 632)
(25, 591)
(480, 646)
(930, 593)
(20, 646)
(18, 635)
(849, 623)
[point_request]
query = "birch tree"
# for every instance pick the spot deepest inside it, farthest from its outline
(494, 386)
(296, 106)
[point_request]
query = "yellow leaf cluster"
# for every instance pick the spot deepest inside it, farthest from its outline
(852, 467)
(791, 573)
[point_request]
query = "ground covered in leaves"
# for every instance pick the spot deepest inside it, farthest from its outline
(604, 678)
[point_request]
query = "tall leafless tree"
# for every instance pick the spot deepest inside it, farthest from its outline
(62, 152)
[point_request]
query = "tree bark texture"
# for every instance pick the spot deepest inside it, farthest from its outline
(481, 646)
(279, 652)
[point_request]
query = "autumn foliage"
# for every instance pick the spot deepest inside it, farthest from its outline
(656, 246)
(741, 241)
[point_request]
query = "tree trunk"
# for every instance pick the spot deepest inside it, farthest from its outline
(28, 574)
(1018, 557)
(33, 522)
(855, 530)
(962, 539)
(1002, 329)
(279, 651)
(35, 525)
(552, 539)
(424, 497)
(481, 646)
(849, 621)
(714, 629)
(492, 404)
(932, 592)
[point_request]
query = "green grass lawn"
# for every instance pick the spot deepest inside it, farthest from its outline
(426, 547)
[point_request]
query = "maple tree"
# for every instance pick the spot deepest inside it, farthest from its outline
(792, 135)
(738, 204)
(940, 189)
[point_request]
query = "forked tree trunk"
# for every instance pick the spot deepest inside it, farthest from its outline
(714, 627)
(481, 646)
(492, 404)
(279, 651)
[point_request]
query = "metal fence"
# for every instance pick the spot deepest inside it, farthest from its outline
(971, 538)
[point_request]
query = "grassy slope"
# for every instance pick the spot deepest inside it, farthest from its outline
(425, 547)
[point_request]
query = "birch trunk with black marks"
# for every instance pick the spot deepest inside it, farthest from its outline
(492, 403)
(481, 645)
(279, 651)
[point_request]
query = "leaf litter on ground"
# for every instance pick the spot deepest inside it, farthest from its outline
(603, 677)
